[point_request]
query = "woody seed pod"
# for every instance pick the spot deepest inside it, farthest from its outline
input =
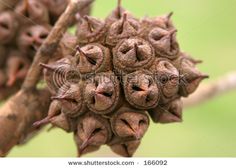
(169, 113)
(102, 93)
(133, 54)
(92, 132)
(129, 122)
(164, 42)
(93, 58)
(141, 91)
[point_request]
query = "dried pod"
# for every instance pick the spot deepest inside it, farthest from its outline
(17, 67)
(8, 27)
(102, 93)
(55, 8)
(124, 28)
(64, 122)
(124, 148)
(93, 58)
(117, 14)
(164, 42)
(133, 54)
(129, 122)
(72, 100)
(31, 38)
(164, 22)
(3, 56)
(54, 110)
(141, 90)
(33, 11)
(168, 78)
(168, 113)
(190, 75)
(90, 30)
(60, 73)
(92, 132)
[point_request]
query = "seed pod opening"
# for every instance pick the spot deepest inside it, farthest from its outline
(90, 30)
(164, 42)
(141, 90)
(133, 54)
(8, 27)
(102, 93)
(72, 100)
(92, 132)
(168, 78)
(169, 113)
(124, 28)
(31, 38)
(124, 148)
(33, 11)
(129, 122)
(93, 58)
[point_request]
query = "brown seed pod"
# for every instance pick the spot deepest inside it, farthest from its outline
(54, 110)
(117, 14)
(164, 42)
(92, 132)
(72, 99)
(93, 58)
(128, 122)
(190, 75)
(124, 148)
(133, 54)
(102, 93)
(167, 77)
(164, 22)
(8, 27)
(60, 73)
(16, 67)
(31, 38)
(3, 78)
(141, 90)
(32, 11)
(55, 8)
(168, 113)
(90, 30)
(124, 28)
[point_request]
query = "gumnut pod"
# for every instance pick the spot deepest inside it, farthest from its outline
(167, 76)
(93, 58)
(124, 147)
(164, 42)
(168, 113)
(92, 132)
(133, 54)
(123, 28)
(141, 90)
(129, 122)
(90, 30)
(102, 93)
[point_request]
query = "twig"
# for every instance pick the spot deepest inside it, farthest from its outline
(29, 105)
(50, 44)
(7, 4)
(208, 91)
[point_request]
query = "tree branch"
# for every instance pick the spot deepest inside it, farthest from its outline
(208, 91)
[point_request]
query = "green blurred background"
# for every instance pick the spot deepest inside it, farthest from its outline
(207, 30)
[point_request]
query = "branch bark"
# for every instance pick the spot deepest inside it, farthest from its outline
(29, 105)
(205, 92)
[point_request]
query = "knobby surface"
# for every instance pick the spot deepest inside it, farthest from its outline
(29, 105)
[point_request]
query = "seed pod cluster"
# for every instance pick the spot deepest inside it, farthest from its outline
(22, 31)
(124, 70)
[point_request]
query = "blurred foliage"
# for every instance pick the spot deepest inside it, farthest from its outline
(206, 29)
